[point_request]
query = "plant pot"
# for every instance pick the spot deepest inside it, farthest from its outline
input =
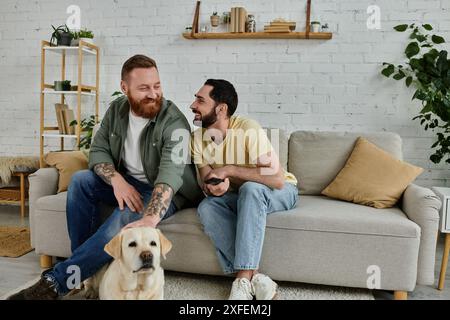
(315, 27)
(215, 21)
(64, 39)
(88, 40)
(75, 42)
(62, 85)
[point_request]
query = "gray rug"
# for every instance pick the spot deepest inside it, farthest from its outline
(185, 286)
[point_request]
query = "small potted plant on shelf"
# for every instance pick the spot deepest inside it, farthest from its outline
(215, 19)
(315, 26)
(63, 85)
(86, 36)
(62, 35)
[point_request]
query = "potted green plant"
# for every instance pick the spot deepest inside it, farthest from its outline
(428, 71)
(87, 126)
(215, 19)
(63, 85)
(86, 36)
(61, 36)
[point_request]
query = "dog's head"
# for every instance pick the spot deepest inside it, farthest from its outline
(139, 249)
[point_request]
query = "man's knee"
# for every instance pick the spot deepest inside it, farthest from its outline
(252, 188)
(206, 210)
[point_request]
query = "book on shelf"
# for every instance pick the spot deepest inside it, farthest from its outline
(59, 107)
(68, 117)
(64, 116)
(238, 19)
(276, 29)
(242, 19)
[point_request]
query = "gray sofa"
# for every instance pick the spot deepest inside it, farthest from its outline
(321, 241)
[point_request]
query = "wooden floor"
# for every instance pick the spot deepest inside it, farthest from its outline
(15, 272)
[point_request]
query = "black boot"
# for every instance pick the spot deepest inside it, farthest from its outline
(42, 290)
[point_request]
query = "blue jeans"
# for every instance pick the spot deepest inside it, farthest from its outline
(236, 222)
(87, 235)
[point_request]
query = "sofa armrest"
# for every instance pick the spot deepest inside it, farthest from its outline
(43, 182)
(422, 206)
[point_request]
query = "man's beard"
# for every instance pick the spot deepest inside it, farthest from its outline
(207, 120)
(145, 108)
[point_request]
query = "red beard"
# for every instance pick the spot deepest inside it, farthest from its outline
(146, 108)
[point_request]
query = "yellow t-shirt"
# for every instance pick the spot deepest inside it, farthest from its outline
(243, 144)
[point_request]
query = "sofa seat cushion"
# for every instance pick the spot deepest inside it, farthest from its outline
(323, 214)
(313, 213)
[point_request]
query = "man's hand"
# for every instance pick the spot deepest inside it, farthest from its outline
(146, 221)
(126, 194)
(217, 190)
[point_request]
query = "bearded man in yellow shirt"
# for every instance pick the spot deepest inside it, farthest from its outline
(244, 182)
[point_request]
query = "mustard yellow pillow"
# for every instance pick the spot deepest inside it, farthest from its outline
(372, 177)
(67, 163)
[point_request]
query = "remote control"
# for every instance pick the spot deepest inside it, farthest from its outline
(214, 181)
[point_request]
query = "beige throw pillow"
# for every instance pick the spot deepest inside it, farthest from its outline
(372, 177)
(67, 163)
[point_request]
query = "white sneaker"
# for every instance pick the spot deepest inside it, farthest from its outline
(264, 287)
(241, 290)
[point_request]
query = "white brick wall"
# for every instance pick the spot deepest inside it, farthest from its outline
(293, 84)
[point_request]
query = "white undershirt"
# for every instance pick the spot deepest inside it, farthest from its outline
(132, 153)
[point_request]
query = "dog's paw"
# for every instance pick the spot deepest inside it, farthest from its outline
(89, 290)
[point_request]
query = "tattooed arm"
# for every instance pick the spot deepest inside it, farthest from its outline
(123, 191)
(157, 207)
(106, 171)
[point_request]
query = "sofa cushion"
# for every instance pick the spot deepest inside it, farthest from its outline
(67, 163)
(372, 177)
(315, 158)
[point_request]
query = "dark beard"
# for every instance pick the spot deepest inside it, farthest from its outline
(143, 109)
(208, 120)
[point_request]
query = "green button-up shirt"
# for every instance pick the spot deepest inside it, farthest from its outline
(157, 149)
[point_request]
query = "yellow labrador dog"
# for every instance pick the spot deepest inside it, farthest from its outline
(135, 273)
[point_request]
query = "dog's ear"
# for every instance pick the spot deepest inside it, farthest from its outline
(166, 245)
(114, 247)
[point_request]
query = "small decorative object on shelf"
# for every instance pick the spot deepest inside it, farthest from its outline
(204, 28)
(325, 27)
(280, 25)
(188, 28)
(215, 20)
(62, 85)
(62, 35)
(315, 26)
(251, 23)
(86, 35)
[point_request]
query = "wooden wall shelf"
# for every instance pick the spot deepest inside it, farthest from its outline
(196, 35)
(259, 35)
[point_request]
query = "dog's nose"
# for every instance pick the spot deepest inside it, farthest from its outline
(146, 256)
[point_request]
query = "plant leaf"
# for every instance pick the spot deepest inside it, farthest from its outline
(437, 39)
(412, 49)
(427, 27)
(401, 27)
(408, 81)
(388, 71)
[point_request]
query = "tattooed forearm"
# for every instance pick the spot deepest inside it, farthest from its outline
(105, 171)
(160, 201)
